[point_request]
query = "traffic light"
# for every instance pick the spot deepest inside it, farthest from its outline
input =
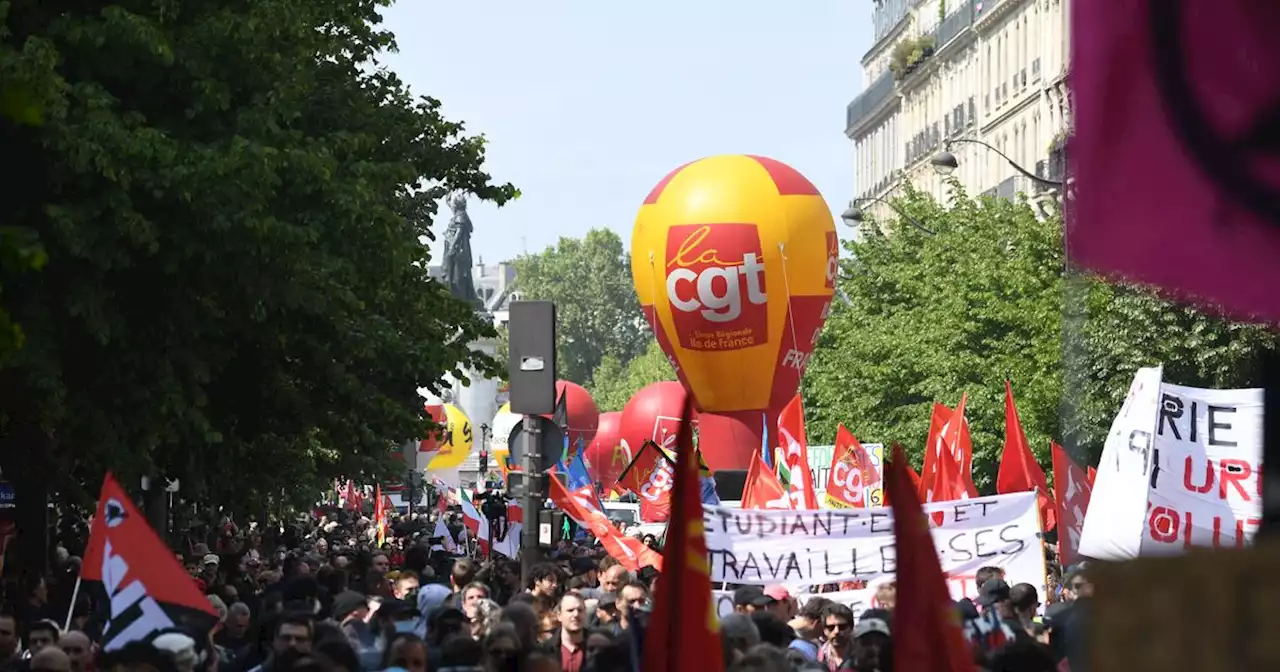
(484, 463)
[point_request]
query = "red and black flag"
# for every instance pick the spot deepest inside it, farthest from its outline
(147, 590)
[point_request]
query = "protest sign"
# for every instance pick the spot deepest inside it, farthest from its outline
(822, 458)
(1183, 470)
(828, 545)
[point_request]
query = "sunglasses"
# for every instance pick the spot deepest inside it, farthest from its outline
(837, 627)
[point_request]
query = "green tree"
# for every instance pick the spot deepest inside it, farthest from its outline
(597, 314)
(930, 317)
(614, 383)
(231, 197)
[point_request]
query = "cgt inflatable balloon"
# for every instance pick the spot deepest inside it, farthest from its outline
(455, 441)
(584, 415)
(605, 458)
(734, 260)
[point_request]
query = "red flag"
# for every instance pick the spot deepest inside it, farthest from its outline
(1072, 488)
(930, 638)
(149, 590)
(1093, 473)
(944, 433)
(581, 507)
(1019, 470)
(684, 631)
(851, 472)
(650, 477)
(796, 449)
(762, 489)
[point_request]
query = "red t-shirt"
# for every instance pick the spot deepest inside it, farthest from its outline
(572, 660)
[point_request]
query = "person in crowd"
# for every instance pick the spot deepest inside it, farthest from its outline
(808, 627)
(886, 595)
(1024, 602)
(606, 613)
(292, 634)
(482, 615)
(10, 644)
(473, 592)
(180, 647)
(79, 650)
(503, 649)
(544, 579)
(747, 599)
(50, 659)
(837, 653)
(406, 651)
(874, 644)
(737, 634)
(773, 630)
(994, 596)
(405, 585)
(781, 603)
(614, 577)
(42, 633)
(567, 641)
(524, 622)
(234, 635)
(462, 574)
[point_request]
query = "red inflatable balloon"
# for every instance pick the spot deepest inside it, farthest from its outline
(653, 414)
(584, 415)
(604, 458)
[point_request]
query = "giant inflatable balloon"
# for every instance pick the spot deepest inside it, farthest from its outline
(454, 443)
(653, 414)
(583, 413)
(503, 422)
(599, 457)
(734, 260)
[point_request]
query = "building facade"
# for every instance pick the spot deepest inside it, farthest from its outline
(944, 70)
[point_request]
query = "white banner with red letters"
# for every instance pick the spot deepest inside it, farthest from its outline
(1181, 468)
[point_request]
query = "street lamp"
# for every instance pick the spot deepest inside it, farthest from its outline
(855, 216)
(945, 163)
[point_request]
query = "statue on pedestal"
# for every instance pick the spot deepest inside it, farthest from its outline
(457, 251)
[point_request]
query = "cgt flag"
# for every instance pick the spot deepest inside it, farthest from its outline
(148, 592)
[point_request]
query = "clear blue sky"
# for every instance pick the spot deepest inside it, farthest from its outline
(586, 105)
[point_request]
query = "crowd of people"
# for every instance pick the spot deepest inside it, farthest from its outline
(322, 596)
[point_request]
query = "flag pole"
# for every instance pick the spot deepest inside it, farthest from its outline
(71, 608)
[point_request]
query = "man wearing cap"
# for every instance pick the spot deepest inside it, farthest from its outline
(353, 611)
(586, 570)
(873, 642)
(781, 603)
(994, 596)
(747, 599)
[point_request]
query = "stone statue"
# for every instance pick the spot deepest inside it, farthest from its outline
(457, 251)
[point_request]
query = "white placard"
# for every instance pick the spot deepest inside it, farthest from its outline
(832, 545)
(1183, 470)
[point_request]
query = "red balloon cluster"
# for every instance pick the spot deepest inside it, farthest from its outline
(653, 414)
(605, 458)
(583, 414)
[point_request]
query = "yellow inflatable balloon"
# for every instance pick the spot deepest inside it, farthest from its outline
(455, 441)
(503, 422)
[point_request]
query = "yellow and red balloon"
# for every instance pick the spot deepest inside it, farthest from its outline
(734, 260)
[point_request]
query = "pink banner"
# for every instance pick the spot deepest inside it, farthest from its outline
(1177, 178)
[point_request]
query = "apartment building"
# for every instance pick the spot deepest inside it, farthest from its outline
(946, 70)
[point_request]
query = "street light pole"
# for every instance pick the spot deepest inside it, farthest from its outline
(855, 216)
(945, 162)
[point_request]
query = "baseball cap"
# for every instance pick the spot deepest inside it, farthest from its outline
(867, 626)
(581, 565)
(777, 592)
(211, 559)
(750, 596)
(346, 602)
(994, 590)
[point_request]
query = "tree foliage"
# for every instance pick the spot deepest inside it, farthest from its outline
(231, 197)
(614, 383)
(597, 314)
(930, 317)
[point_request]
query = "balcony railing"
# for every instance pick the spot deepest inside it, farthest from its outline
(887, 16)
(955, 23)
(869, 100)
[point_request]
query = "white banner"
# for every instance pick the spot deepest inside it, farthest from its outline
(799, 548)
(1183, 470)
